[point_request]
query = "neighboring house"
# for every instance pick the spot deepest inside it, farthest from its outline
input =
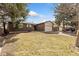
(45, 26)
(22, 27)
(28, 26)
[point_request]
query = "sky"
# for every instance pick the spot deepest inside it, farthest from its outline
(41, 12)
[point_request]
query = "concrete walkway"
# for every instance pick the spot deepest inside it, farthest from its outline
(60, 33)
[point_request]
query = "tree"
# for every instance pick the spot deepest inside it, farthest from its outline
(72, 15)
(18, 11)
(3, 12)
(23, 12)
(13, 10)
(77, 12)
(64, 13)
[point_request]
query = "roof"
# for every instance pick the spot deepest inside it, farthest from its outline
(38, 23)
(28, 23)
(44, 22)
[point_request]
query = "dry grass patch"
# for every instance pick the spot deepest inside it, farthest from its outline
(38, 43)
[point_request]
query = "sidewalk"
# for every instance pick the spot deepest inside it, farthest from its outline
(60, 33)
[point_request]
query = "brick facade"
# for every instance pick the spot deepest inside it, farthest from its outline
(28, 27)
(33, 27)
(40, 27)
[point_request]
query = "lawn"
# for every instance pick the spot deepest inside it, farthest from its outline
(41, 44)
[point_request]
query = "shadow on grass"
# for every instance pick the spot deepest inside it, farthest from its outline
(8, 49)
(7, 39)
(7, 54)
(11, 40)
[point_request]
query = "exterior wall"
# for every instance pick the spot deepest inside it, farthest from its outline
(40, 27)
(32, 27)
(28, 27)
(48, 26)
(23, 27)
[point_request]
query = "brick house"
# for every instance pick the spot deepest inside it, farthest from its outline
(22, 27)
(45, 26)
(28, 26)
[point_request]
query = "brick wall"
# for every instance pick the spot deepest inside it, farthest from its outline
(40, 27)
(28, 27)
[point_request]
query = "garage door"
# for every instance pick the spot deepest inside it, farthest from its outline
(48, 27)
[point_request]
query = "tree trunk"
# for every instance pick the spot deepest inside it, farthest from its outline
(5, 32)
(61, 28)
(10, 26)
(4, 27)
(77, 40)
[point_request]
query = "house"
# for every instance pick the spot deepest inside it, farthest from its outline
(28, 26)
(45, 26)
(22, 27)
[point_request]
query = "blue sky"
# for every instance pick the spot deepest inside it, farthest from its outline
(40, 12)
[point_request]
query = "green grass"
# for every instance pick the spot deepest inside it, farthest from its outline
(42, 44)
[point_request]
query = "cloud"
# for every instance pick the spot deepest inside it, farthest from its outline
(47, 19)
(53, 19)
(32, 13)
